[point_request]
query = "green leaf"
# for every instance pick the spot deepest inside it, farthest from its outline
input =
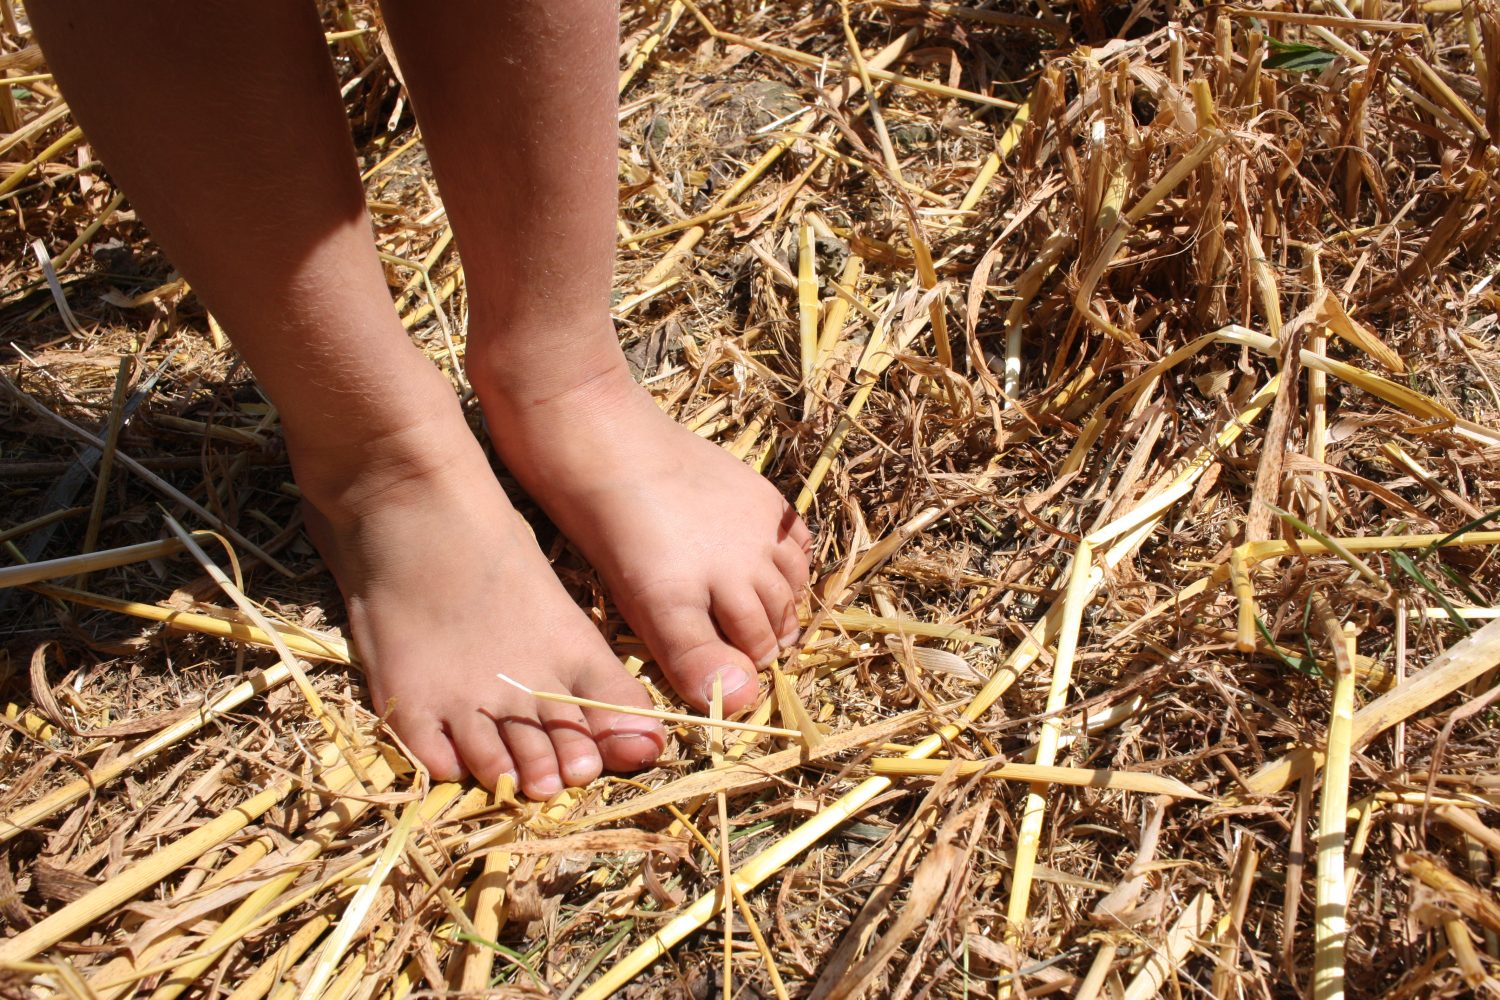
(1297, 57)
(509, 954)
(1312, 654)
(1296, 663)
(1458, 581)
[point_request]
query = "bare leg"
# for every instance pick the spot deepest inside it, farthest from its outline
(234, 147)
(517, 106)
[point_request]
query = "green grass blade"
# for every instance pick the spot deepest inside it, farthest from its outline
(1406, 565)
(1478, 522)
(1336, 547)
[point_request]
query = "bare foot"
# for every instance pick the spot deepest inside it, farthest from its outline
(703, 556)
(445, 586)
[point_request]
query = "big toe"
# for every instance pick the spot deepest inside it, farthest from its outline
(682, 637)
(625, 742)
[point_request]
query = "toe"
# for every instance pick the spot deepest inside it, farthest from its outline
(791, 560)
(531, 748)
(780, 607)
(682, 637)
(741, 616)
(434, 750)
(572, 743)
(795, 530)
(480, 747)
(625, 742)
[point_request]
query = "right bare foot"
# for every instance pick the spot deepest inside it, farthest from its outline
(445, 587)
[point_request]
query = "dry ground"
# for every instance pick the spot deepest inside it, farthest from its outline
(1180, 293)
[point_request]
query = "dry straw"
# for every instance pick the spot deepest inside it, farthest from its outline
(1110, 396)
(651, 713)
(1332, 900)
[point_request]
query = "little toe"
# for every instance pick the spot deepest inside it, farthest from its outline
(625, 742)
(796, 530)
(531, 749)
(480, 747)
(780, 607)
(741, 616)
(791, 560)
(684, 641)
(572, 743)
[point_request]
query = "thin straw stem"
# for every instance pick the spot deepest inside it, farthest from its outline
(653, 713)
(90, 562)
(1040, 774)
(152, 479)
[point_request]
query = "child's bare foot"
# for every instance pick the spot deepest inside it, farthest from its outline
(703, 556)
(444, 587)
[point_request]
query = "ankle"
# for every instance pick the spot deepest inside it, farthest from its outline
(349, 470)
(549, 366)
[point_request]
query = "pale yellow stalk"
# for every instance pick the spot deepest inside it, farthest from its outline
(1039, 775)
(107, 897)
(1192, 924)
(486, 899)
(1028, 838)
(333, 949)
(1332, 904)
(90, 562)
(807, 303)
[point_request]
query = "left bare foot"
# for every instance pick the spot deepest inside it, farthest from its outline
(702, 555)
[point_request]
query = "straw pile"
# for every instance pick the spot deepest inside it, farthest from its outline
(1135, 367)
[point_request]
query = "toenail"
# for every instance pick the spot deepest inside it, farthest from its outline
(582, 765)
(634, 740)
(731, 679)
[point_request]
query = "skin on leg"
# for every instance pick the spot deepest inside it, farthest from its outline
(234, 147)
(518, 112)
